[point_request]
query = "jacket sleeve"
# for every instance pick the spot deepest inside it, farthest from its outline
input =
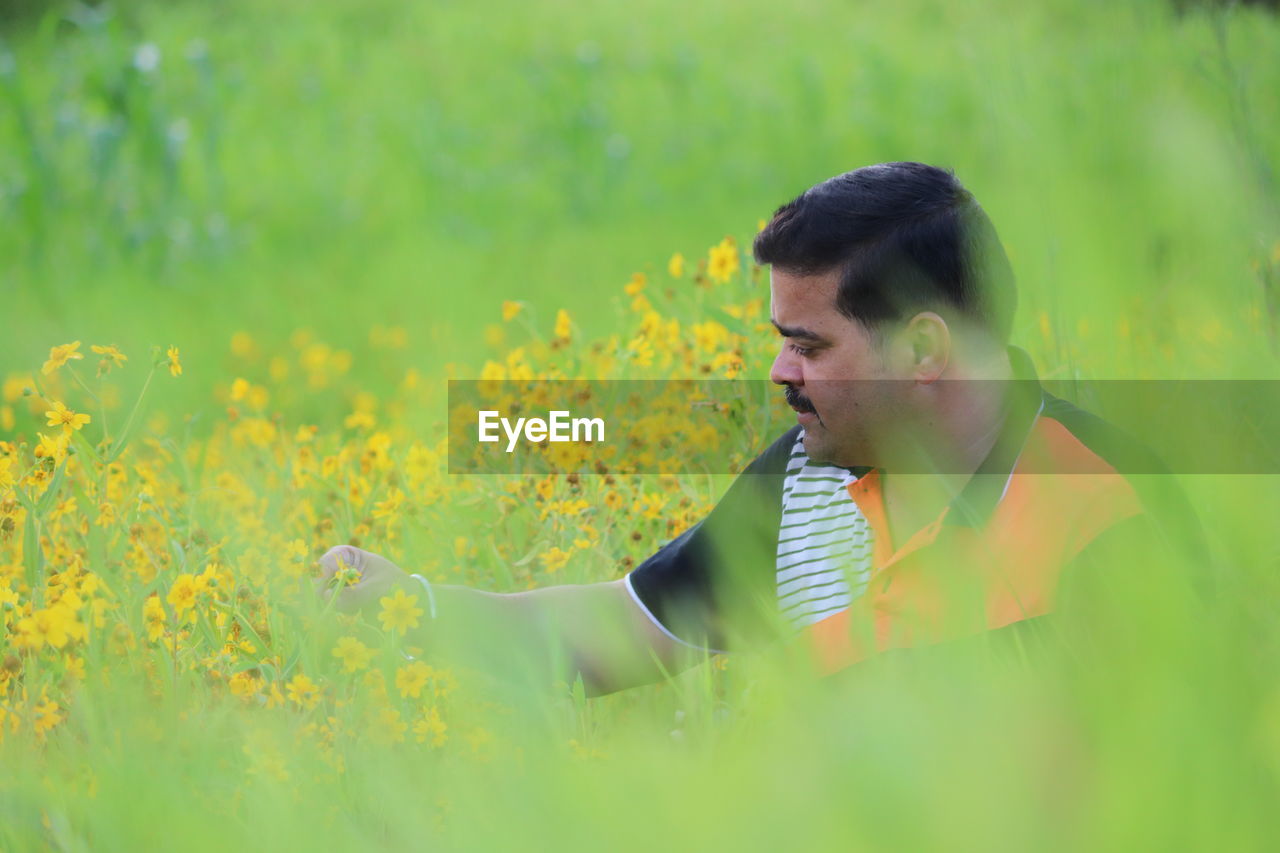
(714, 586)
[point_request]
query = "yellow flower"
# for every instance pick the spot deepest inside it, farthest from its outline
(443, 683)
(675, 266)
(354, 654)
(153, 614)
(723, 260)
(430, 726)
(376, 683)
(175, 366)
(59, 356)
(641, 351)
(6, 475)
(111, 357)
(244, 683)
(46, 716)
(15, 387)
(182, 595)
(98, 608)
(510, 310)
(296, 550)
(304, 691)
(258, 397)
(637, 283)
(53, 625)
(399, 612)
(729, 362)
(66, 506)
(389, 508)
(709, 335)
(553, 559)
(75, 667)
(106, 514)
(242, 345)
(389, 728)
(345, 575)
(410, 679)
(492, 372)
(650, 506)
(563, 324)
(545, 488)
(60, 415)
(52, 448)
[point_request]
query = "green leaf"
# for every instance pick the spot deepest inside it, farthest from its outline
(84, 446)
(32, 556)
(46, 500)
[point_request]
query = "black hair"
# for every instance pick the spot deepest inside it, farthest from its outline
(906, 237)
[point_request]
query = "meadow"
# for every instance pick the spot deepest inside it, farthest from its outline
(243, 247)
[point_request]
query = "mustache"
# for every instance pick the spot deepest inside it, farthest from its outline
(798, 401)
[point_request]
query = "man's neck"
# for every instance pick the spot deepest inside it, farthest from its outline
(969, 416)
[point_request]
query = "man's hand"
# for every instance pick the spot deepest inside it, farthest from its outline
(373, 576)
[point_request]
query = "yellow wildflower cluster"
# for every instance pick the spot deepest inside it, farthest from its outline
(125, 554)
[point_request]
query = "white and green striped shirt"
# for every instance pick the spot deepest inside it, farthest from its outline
(824, 541)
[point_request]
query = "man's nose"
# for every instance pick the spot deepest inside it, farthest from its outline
(786, 369)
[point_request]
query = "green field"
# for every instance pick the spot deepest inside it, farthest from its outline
(334, 201)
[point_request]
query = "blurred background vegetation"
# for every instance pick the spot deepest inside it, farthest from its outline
(175, 172)
(242, 176)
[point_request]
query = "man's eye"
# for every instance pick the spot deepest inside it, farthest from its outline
(801, 351)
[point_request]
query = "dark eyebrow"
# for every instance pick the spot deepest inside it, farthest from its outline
(795, 332)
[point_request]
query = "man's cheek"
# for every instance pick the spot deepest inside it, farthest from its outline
(831, 414)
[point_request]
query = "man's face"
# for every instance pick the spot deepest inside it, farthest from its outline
(834, 368)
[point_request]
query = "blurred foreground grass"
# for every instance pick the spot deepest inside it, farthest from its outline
(331, 209)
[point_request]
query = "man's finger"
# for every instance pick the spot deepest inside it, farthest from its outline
(338, 557)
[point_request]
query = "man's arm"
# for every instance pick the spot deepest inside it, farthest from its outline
(714, 584)
(548, 634)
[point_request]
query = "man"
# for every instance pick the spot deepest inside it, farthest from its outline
(929, 491)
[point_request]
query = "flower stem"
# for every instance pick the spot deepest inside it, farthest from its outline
(124, 434)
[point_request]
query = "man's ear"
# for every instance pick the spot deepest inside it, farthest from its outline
(929, 338)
